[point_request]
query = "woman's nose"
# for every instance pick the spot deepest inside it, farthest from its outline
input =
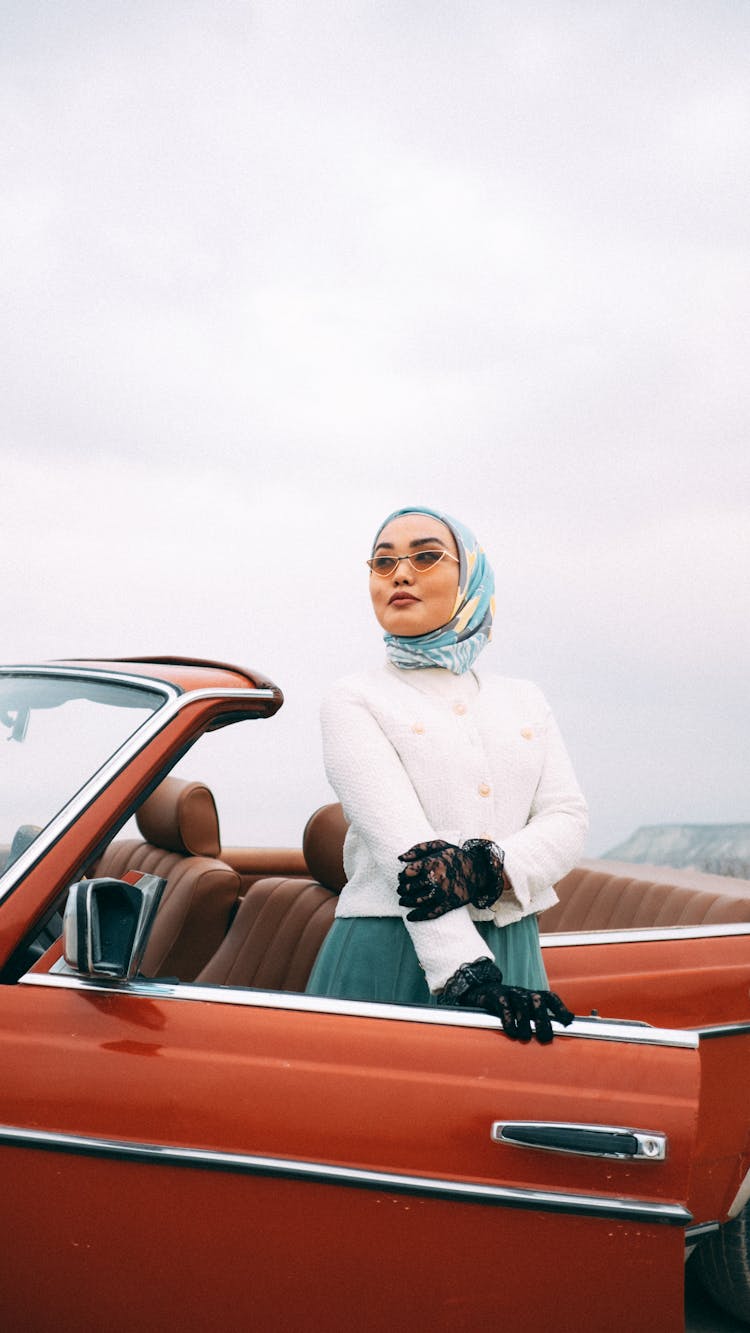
(403, 573)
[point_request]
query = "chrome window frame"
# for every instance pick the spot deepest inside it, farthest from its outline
(641, 935)
(175, 700)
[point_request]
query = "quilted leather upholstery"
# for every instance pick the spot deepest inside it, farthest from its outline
(201, 891)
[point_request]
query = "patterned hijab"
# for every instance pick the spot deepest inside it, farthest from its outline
(456, 644)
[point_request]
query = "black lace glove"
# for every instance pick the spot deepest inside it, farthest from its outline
(480, 985)
(438, 877)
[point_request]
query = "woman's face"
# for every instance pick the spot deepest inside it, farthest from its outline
(408, 603)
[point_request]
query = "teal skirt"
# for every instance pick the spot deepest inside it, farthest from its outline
(373, 958)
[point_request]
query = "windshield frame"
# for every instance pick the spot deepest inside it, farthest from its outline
(114, 763)
(246, 703)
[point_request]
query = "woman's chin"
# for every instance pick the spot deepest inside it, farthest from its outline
(405, 625)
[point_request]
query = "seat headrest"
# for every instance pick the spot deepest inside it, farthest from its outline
(181, 817)
(323, 846)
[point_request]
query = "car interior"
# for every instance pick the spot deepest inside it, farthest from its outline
(256, 917)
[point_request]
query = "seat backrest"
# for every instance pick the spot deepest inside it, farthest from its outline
(180, 827)
(275, 937)
(597, 896)
(281, 924)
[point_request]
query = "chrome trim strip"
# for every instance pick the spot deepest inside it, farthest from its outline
(593, 1029)
(696, 1233)
(249, 1163)
(94, 673)
(566, 939)
(724, 1030)
(112, 767)
(650, 1145)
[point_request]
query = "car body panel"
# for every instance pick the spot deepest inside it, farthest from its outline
(164, 1247)
(185, 1154)
(696, 977)
(306, 1094)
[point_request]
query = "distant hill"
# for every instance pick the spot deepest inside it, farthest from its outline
(721, 849)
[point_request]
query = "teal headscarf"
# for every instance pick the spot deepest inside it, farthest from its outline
(456, 644)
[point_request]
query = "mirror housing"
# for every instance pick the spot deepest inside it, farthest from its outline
(107, 923)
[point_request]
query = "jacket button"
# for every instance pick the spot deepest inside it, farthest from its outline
(418, 728)
(484, 789)
(459, 708)
(527, 733)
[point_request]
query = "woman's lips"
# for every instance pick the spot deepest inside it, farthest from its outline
(401, 598)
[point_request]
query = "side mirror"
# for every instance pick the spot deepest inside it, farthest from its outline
(107, 923)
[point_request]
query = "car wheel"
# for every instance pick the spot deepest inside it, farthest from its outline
(722, 1265)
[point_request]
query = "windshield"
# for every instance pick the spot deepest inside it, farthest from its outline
(55, 732)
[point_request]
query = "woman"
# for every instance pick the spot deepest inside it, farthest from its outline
(462, 803)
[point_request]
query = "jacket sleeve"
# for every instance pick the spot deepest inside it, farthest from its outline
(381, 804)
(552, 840)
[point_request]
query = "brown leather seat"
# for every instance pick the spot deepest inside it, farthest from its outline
(602, 897)
(180, 826)
(281, 924)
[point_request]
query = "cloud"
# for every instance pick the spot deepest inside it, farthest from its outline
(274, 269)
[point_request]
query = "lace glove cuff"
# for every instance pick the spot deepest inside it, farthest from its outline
(489, 860)
(469, 976)
(522, 1012)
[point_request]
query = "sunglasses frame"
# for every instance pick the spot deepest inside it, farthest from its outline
(398, 558)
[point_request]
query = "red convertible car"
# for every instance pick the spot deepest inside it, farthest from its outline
(190, 1141)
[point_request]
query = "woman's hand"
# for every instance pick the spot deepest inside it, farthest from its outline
(438, 877)
(522, 1012)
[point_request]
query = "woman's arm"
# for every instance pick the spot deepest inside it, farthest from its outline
(553, 838)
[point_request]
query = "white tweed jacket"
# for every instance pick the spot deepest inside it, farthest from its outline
(421, 754)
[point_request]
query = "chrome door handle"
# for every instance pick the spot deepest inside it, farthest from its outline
(585, 1140)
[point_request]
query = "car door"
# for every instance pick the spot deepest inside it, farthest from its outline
(696, 978)
(205, 1157)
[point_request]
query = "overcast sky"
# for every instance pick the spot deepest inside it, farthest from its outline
(271, 270)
